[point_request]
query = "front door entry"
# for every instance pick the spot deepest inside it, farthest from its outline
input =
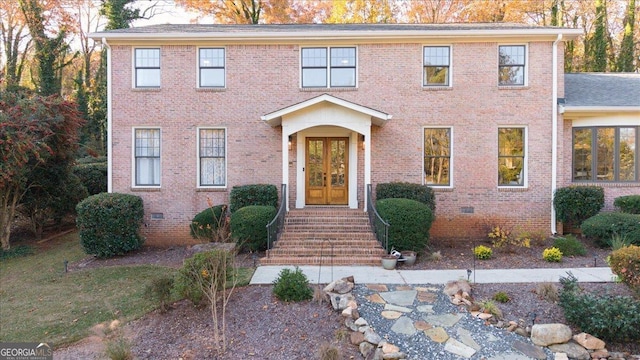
(327, 171)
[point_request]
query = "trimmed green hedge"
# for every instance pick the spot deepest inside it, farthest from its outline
(601, 227)
(405, 190)
(93, 176)
(203, 224)
(574, 204)
(409, 223)
(628, 204)
(109, 224)
(249, 226)
(258, 194)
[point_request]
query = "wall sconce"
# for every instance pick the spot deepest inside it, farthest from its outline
(363, 142)
(290, 138)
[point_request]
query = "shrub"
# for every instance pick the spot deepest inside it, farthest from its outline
(409, 223)
(207, 223)
(93, 176)
(547, 291)
(570, 246)
(501, 296)
(249, 226)
(602, 227)
(404, 190)
(197, 272)
(109, 224)
(628, 204)
(574, 204)
(500, 236)
(489, 307)
(259, 194)
(329, 352)
(625, 263)
(482, 252)
(610, 318)
(119, 349)
(159, 290)
(619, 241)
(292, 286)
(552, 254)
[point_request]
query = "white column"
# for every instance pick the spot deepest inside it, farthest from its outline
(367, 163)
(285, 164)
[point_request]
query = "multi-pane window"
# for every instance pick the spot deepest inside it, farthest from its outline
(605, 153)
(437, 156)
(212, 157)
(211, 66)
(147, 67)
(511, 64)
(335, 66)
(147, 157)
(511, 156)
(436, 62)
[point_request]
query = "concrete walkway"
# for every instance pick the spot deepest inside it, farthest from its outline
(378, 275)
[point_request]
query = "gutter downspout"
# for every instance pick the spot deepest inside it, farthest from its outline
(109, 121)
(554, 130)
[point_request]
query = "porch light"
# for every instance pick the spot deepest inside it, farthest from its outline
(290, 137)
(363, 143)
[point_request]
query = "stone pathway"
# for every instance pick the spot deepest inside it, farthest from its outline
(421, 321)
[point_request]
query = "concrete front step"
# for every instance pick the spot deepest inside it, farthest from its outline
(327, 244)
(316, 260)
(300, 251)
(321, 236)
(328, 227)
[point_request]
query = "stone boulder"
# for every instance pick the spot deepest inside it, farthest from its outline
(588, 341)
(549, 334)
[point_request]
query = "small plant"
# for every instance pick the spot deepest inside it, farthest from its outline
(119, 348)
(547, 291)
(16, 251)
(501, 236)
(619, 241)
(436, 256)
(552, 254)
(159, 290)
(625, 263)
(570, 246)
(329, 352)
(292, 286)
(482, 252)
(501, 297)
(490, 307)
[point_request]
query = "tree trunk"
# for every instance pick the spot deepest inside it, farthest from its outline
(9, 198)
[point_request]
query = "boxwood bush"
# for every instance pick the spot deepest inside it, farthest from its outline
(625, 263)
(249, 226)
(93, 176)
(628, 204)
(109, 224)
(603, 226)
(404, 190)
(574, 204)
(409, 223)
(258, 194)
(570, 246)
(205, 222)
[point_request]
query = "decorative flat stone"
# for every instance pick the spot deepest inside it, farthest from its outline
(377, 287)
(456, 347)
(403, 288)
(391, 315)
(404, 325)
(427, 309)
(529, 350)
(422, 325)
(560, 356)
(375, 298)
(509, 356)
(431, 289)
(438, 334)
(392, 307)
(465, 337)
(402, 298)
(445, 320)
(429, 297)
(572, 349)
(361, 322)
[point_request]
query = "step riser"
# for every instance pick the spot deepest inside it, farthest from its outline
(319, 261)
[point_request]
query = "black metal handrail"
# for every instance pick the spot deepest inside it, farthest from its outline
(380, 227)
(275, 226)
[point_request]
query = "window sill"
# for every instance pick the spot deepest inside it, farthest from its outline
(437, 88)
(146, 89)
(513, 87)
(442, 188)
(212, 189)
(610, 184)
(211, 89)
(328, 89)
(513, 189)
(146, 189)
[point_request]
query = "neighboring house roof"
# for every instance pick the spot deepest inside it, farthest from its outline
(602, 92)
(347, 31)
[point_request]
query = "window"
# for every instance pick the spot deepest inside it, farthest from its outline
(511, 156)
(211, 66)
(436, 65)
(147, 157)
(212, 157)
(437, 156)
(338, 69)
(511, 68)
(605, 153)
(147, 68)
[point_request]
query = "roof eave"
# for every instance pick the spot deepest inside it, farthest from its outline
(599, 110)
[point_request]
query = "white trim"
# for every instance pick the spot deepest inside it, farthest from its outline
(133, 157)
(134, 68)
(571, 111)
(226, 157)
(450, 72)
(554, 129)
(525, 160)
(451, 172)
(109, 121)
(525, 80)
(198, 86)
(606, 121)
(328, 66)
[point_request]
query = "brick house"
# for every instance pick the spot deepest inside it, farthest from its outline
(483, 113)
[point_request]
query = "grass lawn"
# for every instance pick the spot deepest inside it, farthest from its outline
(39, 302)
